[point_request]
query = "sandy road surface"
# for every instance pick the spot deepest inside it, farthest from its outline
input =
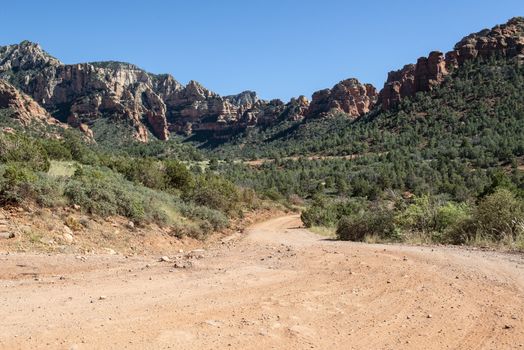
(281, 287)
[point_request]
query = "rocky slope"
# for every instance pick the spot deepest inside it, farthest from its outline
(355, 99)
(505, 40)
(81, 94)
(348, 96)
(23, 107)
(25, 110)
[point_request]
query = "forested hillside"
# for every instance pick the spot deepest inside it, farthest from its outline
(452, 146)
(445, 141)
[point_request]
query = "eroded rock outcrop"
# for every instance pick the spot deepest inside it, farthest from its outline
(23, 107)
(505, 40)
(297, 108)
(80, 94)
(25, 56)
(349, 96)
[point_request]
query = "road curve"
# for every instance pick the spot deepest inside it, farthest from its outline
(278, 287)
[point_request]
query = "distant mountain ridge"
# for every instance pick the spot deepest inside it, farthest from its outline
(79, 94)
(506, 40)
(158, 105)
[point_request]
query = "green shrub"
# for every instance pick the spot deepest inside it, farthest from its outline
(23, 150)
(56, 149)
(379, 223)
(180, 230)
(19, 184)
(177, 176)
(500, 215)
(79, 149)
(320, 213)
(420, 216)
(352, 229)
(48, 192)
(323, 212)
(215, 218)
(152, 173)
(132, 207)
(450, 214)
(15, 185)
(453, 223)
(272, 194)
(460, 232)
(146, 171)
(249, 198)
(216, 193)
(105, 193)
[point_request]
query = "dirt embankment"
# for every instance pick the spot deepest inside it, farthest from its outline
(278, 287)
(67, 230)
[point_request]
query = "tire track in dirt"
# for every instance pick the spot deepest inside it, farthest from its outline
(279, 287)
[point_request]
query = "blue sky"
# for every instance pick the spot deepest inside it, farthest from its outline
(279, 48)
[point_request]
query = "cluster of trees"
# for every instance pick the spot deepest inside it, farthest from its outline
(497, 217)
(476, 114)
(369, 176)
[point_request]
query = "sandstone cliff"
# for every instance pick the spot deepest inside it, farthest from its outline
(505, 40)
(349, 97)
(81, 94)
(23, 107)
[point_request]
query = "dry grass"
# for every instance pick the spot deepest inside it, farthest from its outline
(60, 168)
(329, 232)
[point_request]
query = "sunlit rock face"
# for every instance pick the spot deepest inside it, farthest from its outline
(349, 97)
(158, 105)
(505, 40)
(79, 94)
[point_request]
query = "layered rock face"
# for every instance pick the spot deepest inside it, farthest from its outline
(79, 94)
(349, 96)
(505, 40)
(23, 107)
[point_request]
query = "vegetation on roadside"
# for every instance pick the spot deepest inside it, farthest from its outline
(143, 188)
(495, 219)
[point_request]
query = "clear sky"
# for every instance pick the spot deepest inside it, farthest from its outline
(279, 48)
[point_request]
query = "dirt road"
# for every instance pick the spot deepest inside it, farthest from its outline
(281, 287)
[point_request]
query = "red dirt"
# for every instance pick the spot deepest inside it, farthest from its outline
(278, 287)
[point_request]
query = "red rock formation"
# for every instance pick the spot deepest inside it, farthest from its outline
(84, 128)
(506, 40)
(348, 96)
(86, 92)
(24, 108)
(430, 71)
(158, 104)
(27, 111)
(298, 108)
(399, 84)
